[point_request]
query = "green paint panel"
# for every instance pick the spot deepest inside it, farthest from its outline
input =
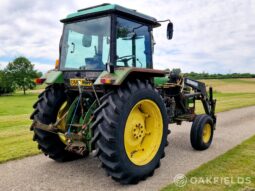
(118, 76)
(71, 111)
(54, 77)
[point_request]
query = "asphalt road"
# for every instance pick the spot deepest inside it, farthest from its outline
(41, 173)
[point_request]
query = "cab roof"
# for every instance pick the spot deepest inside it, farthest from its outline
(106, 8)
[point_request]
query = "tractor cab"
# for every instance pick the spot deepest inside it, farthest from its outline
(106, 34)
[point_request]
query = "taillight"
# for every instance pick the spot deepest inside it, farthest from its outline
(106, 80)
(39, 81)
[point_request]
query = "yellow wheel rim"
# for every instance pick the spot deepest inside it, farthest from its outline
(62, 125)
(207, 132)
(143, 132)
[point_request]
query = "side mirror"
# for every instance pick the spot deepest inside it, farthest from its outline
(170, 30)
(87, 40)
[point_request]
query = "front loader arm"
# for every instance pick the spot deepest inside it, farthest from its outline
(208, 102)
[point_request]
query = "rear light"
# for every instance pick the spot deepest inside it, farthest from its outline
(57, 64)
(106, 81)
(39, 81)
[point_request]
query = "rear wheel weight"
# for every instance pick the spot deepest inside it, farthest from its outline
(116, 136)
(46, 111)
(201, 134)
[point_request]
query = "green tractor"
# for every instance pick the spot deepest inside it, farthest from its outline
(105, 99)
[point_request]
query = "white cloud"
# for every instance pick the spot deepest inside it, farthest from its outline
(210, 35)
(43, 67)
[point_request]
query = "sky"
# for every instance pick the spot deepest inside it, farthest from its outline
(214, 36)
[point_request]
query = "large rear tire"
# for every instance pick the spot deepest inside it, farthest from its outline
(134, 116)
(46, 111)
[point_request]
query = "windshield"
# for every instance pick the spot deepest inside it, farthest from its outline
(86, 44)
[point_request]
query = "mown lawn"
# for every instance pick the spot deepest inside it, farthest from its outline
(235, 169)
(228, 101)
(15, 137)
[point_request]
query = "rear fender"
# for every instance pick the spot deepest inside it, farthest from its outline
(122, 73)
(54, 77)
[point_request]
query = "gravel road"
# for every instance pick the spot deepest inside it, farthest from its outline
(41, 173)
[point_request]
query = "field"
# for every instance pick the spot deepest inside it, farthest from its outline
(16, 139)
(231, 93)
(232, 85)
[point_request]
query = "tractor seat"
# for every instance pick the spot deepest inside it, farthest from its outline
(94, 63)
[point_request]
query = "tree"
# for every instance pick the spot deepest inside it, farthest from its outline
(5, 85)
(22, 73)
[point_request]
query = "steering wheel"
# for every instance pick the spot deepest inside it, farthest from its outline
(125, 59)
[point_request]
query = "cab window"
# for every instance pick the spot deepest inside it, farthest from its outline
(133, 47)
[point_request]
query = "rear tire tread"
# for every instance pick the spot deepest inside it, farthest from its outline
(104, 132)
(45, 112)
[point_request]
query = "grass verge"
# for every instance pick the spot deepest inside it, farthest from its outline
(234, 170)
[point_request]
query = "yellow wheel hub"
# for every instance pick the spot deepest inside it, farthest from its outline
(143, 132)
(207, 132)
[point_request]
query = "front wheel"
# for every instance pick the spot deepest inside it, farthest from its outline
(130, 132)
(201, 134)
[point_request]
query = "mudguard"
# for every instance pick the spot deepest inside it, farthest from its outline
(54, 77)
(122, 73)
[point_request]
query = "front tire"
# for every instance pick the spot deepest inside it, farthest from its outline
(201, 134)
(120, 127)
